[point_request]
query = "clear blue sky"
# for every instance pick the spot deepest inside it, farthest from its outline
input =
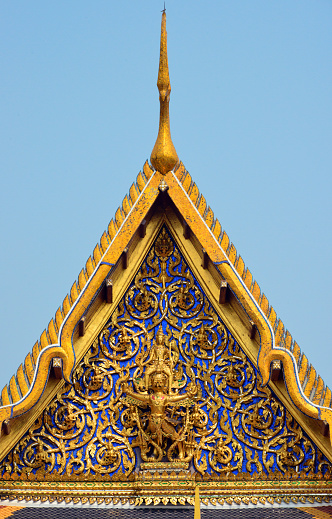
(251, 118)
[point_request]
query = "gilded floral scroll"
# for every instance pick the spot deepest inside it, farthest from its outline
(165, 382)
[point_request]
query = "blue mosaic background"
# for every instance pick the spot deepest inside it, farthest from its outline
(239, 427)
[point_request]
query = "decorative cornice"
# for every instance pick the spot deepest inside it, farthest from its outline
(210, 495)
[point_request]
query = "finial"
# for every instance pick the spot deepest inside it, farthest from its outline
(164, 157)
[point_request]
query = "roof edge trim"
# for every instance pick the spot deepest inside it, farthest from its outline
(64, 349)
(268, 351)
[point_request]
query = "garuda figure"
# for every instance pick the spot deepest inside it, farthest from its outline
(165, 430)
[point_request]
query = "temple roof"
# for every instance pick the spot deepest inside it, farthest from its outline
(167, 177)
(195, 211)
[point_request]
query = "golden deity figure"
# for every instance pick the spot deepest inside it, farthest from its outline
(161, 424)
(71, 416)
(159, 361)
(124, 340)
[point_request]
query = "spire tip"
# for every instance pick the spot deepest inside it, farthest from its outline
(164, 157)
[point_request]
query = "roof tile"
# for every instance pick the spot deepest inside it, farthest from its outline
(224, 241)
(217, 229)
(14, 390)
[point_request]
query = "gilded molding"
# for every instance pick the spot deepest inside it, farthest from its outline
(126, 494)
(38, 384)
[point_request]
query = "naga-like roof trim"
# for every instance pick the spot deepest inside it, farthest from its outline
(305, 388)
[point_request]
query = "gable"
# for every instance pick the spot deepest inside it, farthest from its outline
(305, 388)
(232, 428)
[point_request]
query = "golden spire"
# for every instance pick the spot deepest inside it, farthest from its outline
(164, 157)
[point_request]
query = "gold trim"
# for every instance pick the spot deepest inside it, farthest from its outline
(203, 233)
(268, 352)
(181, 496)
(238, 324)
(164, 157)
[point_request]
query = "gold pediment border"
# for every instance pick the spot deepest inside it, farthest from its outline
(232, 314)
(198, 217)
(97, 315)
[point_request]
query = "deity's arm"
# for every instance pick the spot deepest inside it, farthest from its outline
(188, 394)
(137, 396)
(177, 398)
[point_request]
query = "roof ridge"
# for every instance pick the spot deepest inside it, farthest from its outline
(311, 382)
(19, 384)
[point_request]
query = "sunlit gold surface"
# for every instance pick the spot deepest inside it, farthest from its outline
(160, 424)
(192, 206)
(211, 493)
(79, 430)
(164, 157)
(74, 415)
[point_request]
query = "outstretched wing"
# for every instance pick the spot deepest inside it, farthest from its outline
(131, 400)
(187, 402)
